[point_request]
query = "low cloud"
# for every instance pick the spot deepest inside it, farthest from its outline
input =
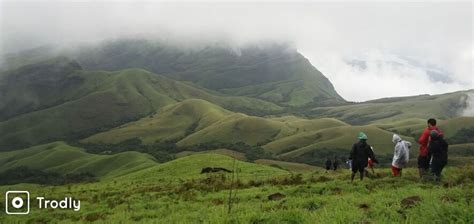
(468, 100)
(436, 35)
(378, 74)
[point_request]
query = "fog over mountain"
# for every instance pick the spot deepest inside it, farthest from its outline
(368, 50)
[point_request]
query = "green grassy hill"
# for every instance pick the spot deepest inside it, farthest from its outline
(191, 166)
(292, 167)
(197, 123)
(171, 123)
(41, 85)
(452, 128)
(404, 126)
(215, 107)
(70, 103)
(226, 152)
(389, 110)
(273, 72)
(338, 140)
(462, 150)
(194, 122)
(58, 157)
(176, 192)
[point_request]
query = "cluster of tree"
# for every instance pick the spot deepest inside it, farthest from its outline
(251, 152)
(26, 175)
(318, 157)
(192, 128)
(15, 142)
(105, 127)
(252, 111)
(165, 151)
(161, 151)
(464, 135)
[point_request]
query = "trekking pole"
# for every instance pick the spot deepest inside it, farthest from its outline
(236, 170)
(231, 188)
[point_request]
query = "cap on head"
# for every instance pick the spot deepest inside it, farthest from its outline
(362, 136)
(434, 134)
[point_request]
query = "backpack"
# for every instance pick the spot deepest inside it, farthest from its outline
(444, 148)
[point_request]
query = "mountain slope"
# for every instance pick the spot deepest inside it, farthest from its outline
(338, 140)
(194, 122)
(443, 106)
(58, 157)
(171, 123)
(37, 86)
(273, 72)
(191, 166)
(450, 127)
(197, 125)
(57, 100)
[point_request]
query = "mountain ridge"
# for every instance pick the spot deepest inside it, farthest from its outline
(221, 69)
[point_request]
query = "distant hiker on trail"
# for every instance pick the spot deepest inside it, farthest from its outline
(360, 154)
(438, 152)
(328, 164)
(423, 159)
(349, 163)
(400, 155)
(336, 163)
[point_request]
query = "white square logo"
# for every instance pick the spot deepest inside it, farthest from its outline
(17, 202)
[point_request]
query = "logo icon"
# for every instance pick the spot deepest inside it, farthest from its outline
(17, 202)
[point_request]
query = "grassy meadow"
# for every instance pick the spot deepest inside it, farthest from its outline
(176, 192)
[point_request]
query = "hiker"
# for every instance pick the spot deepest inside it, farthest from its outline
(424, 140)
(438, 152)
(336, 163)
(328, 164)
(360, 154)
(349, 164)
(400, 155)
(370, 163)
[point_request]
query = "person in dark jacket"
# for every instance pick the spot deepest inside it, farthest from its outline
(328, 164)
(438, 152)
(336, 163)
(360, 154)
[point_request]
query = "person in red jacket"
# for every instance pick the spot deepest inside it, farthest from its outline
(423, 158)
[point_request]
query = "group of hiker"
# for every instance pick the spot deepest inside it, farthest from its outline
(432, 155)
(332, 164)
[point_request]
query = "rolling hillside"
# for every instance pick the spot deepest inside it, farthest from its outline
(339, 140)
(203, 99)
(176, 192)
(57, 100)
(171, 123)
(194, 122)
(458, 129)
(58, 157)
(442, 107)
(273, 72)
(197, 124)
(191, 166)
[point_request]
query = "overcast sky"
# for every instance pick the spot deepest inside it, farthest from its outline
(368, 50)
